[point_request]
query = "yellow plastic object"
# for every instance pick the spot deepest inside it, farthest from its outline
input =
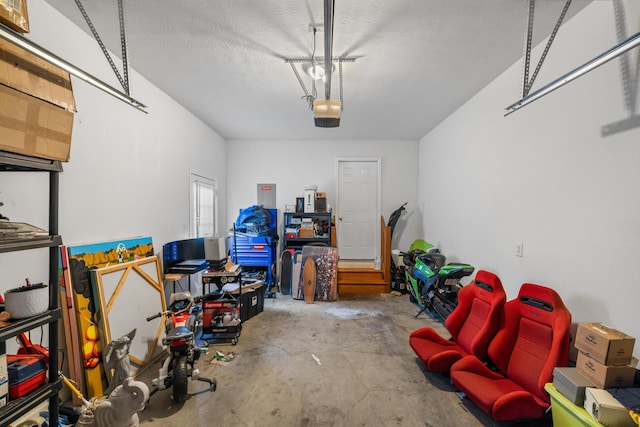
(567, 414)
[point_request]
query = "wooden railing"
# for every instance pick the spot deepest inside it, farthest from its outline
(370, 280)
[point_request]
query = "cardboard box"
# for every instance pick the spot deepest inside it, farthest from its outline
(606, 409)
(33, 76)
(604, 344)
(36, 105)
(306, 233)
(13, 14)
(571, 384)
(34, 127)
(603, 376)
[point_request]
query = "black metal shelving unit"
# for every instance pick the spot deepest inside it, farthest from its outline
(10, 162)
(298, 242)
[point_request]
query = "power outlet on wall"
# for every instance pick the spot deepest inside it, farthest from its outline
(519, 249)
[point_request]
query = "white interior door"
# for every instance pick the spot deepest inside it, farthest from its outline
(358, 219)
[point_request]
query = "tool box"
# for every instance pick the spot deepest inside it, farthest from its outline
(255, 240)
(221, 318)
(26, 373)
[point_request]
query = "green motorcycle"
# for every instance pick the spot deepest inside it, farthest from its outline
(432, 284)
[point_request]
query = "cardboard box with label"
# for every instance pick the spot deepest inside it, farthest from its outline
(36, 105)
(604, 344)
(606, 409)
(603, 376)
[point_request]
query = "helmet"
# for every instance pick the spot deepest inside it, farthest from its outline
(180, 300)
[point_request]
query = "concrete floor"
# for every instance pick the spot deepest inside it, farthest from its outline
(345, 363)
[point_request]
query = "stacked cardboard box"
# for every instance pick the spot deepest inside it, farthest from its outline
(604, 355)
(603, 361)
(36, 105)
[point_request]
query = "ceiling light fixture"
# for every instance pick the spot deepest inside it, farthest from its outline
(315, 71)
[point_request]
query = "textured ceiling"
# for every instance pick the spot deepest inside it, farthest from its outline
(417, 60)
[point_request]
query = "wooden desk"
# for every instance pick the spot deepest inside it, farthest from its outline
(175, 277)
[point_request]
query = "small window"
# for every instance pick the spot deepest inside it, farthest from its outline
(204, 196)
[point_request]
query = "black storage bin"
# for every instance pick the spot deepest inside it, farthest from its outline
(252, 302)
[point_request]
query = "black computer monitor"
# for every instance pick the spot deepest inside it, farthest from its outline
(181, 250)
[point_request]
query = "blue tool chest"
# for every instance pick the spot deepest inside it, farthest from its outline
(255, 243)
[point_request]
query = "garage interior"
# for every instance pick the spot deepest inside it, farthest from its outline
(431, 91)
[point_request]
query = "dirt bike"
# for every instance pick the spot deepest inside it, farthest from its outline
(432, 284)
(183, 317)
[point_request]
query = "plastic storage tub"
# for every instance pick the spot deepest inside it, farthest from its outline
(565, 413)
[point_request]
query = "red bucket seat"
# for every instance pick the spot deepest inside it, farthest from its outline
(533, 339)
(472, 325)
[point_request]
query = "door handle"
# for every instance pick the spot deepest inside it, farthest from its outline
(339, 218)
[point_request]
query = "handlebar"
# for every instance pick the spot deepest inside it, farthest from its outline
(166, 313)
(155, 316)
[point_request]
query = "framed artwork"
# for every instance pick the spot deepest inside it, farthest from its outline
(82, 259)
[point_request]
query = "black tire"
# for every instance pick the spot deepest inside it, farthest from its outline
(180, 379)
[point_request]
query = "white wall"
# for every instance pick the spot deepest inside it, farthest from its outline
(545, 177)
(293, 164)
(129, 171)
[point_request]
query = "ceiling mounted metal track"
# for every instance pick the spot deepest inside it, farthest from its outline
(622, 47)
(601, 59)
(328, 45)
(42, 53)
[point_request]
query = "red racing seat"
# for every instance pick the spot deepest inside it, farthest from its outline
(472, 325)
(533, 339)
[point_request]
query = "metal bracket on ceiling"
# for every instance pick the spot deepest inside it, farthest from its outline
(40, 52)
(124, 81)
(526, 84)
(310, 97)
(619, 49)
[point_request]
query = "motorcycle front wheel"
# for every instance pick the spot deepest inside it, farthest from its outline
(180, 379)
